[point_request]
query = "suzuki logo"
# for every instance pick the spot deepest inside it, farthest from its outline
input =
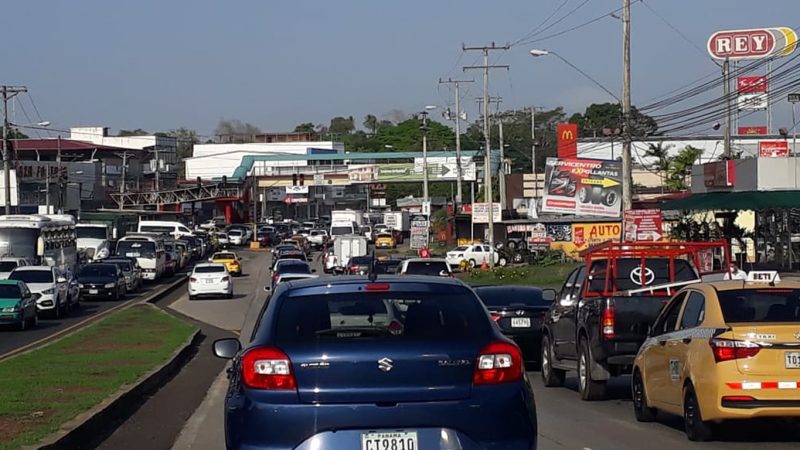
(385, 364)
(567, 135)
(520, 312)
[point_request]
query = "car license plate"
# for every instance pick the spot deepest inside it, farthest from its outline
(520, 322)
(394, 440)
(93, 291)
(792, 360)
(209, 281)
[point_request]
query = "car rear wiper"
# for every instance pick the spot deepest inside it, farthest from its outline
(353, 332)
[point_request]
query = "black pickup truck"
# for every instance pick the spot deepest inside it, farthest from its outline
(605, 308)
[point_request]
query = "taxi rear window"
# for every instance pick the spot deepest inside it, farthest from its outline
(760, 305)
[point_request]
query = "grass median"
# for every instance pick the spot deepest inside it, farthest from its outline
(44, 389)
(552, 275)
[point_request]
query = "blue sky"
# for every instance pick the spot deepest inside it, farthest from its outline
(165, 64)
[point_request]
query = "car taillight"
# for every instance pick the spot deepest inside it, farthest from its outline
(498, 362)
(607, 322)
(395, 327)
(275, 277)
(267, 368)
(496, 317)
(730, 349)
(738, 398)
(226, 278)
(193, 280)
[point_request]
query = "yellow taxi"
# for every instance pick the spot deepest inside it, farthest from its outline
(722, 350)
(385, 240)
(231, 261)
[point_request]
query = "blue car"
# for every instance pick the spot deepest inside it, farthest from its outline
(398, 363)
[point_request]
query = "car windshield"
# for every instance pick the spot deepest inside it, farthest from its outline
(224, 256)
(136, 249)
(338, 231)
(443, 313)
(426, 268)
(760, 305)
(7, 266)
(235, 233)
(293, 267)
(209, 269)
(511, 296)
(98, 270)
(462, 248)
(9, 291)
(384, 235)
(32, 276)
(91, 232)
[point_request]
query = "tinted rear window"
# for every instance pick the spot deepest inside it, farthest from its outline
(209, 269)
(508, 296)
(760, 305)
(360, 261)
(7, 266)
(380, 315)
(293, 268)
(656, 272)
(426, 268)
(386, 266)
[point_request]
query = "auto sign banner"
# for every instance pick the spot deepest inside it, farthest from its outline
(583, 187)
(643, 225)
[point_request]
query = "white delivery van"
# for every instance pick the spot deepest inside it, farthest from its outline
(346, 247)
(93, 238)
(149, 252)
(347, 215)
(175, 229)
(342, 229)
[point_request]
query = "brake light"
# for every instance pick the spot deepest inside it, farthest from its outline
(275, 277)
(193, 280)
(267, 368)
(498, 362)
(607, 322)
(226, 278)
(377, 287)
(496, 317)
(730, 349)
(738, 398)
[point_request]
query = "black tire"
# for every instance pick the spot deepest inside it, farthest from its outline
(585, 194)
(642, 412)
(609, 197)
(596, 195)
(229, 296)
(696, 429)
(517, 258)
(589, 389)
(551, 376)
(512, 245)
(116, 295)
(35, 320)
(23, 324)
(192, 297)
(502, 261)
(523, 246)
(57, 310)
(472, 264)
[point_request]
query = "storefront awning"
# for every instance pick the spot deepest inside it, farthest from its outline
(757, 200)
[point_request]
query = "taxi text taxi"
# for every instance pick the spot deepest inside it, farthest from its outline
(722, 350)
(231, 261)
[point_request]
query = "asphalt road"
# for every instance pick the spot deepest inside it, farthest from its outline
(11, 340)
(188, 412)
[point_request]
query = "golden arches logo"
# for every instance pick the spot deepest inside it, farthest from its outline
(567, 135)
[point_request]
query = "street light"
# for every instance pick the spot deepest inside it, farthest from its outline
(537, 52)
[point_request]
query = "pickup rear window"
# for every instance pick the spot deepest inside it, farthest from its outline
(629, 274)
(386, 315)
(433, 268)
(760, 305)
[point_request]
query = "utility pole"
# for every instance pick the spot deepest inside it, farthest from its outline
(726, 74)
(124, 156)
(501, 175)
(158, 169)
(424, 128)
(8, 93)
(627, 167)
(458, 135)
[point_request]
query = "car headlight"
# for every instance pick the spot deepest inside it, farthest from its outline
(110, 285)
(48, 291)
(80, 285)
(11, 309)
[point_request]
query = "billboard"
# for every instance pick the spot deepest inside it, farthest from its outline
(643, 225)
(583, 187)
(753, 130)
(567, 134)
(773, 149)
(752, 44)
(480, 213)
(752, 102)
(420, 231)
(751, 85)
(579, 236)
(409, 172)
(297, 189)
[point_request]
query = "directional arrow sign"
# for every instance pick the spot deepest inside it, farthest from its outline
(445, 169)
(605, 182)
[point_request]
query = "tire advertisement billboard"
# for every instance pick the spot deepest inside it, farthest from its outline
(583, 187)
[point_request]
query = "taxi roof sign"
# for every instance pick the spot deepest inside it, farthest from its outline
(763, 276)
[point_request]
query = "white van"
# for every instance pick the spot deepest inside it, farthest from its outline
(149, 252)
(343, 229)
(175, 229)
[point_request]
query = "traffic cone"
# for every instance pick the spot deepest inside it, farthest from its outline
(484, 266)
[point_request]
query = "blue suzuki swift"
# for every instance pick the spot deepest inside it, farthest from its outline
(398, 363)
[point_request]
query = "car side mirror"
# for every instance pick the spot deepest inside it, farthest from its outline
(444, 273)
(61, 280)
(226, 348)
(210, 259)
(548, 295)
(267, 289)
(239, 258)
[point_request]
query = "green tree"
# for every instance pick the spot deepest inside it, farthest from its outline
(14, 133)
(136, 132)
(306, 127)
(600, 117)
(660, 153)
(681, 167)
(341, 125)
(371, 123)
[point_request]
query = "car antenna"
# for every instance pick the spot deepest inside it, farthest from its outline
(372, 273)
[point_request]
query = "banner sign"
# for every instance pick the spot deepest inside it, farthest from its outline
(290, 200)
(297, 189)
(420, 229)
(567, 134)
(480, 213)
(752, 85)
(405, 172)
(720, 174)
(587, 234)
(583, 187)
(773, 149)
(752, 44)
(753, 130)
(753, 102)
(643, 225)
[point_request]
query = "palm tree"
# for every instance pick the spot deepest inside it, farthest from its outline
(660, 153)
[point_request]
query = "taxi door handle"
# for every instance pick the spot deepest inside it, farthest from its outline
(662, 343)
(687, 340)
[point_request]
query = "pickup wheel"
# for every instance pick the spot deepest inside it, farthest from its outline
(642, 412)
(551, 376)
(589, 389)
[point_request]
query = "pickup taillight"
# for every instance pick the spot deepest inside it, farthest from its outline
(607, 320)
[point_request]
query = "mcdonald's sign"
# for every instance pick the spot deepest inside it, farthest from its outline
(567, 140)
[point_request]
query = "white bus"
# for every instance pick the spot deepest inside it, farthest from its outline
(148, 249)
(49, 240)
(175, 229)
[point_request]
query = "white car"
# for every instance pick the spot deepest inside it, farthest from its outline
(474, 254)
(210, 279)
(222, 239)
(9, 263)
(236, 237)
(318, 238)
(436, 267)
(366, 230)
(50, 288)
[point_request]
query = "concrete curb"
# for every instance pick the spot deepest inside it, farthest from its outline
(88, 427)
(151, 298)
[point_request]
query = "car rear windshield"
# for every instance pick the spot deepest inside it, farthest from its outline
(32, 276)
(9, 291)
(629, 273)
(209, 269)
(360, 260)
(293, 268)
(7, 266)
(511, 296)
(234, 233)
(448, 314)
(97, 270)
(426, 268)
(760, 305)
(338, 231)
(382, 267)
(136, 249)
(224, 256)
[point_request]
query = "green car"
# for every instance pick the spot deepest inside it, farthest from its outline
(17, 306)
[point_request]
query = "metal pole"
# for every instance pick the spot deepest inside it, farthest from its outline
(533, 151)
(501, 175)
(627, 166)
(6, 156)
(794, 130)
(726, 152)
(487, 169)
(158, 169)
(472, 222)
(47, 192)
(424, 158)
(458, 150)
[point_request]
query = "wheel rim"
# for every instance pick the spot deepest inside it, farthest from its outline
(582, 372)
(690, 412)
(611, 199)
(545, 358)
(582, 195)
(638, 393)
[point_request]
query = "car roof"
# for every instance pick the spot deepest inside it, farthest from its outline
(422, 260)
(360, 280)
(33, 268)
(290, 261)
(217, 254)
(730, 285)
(14, 258)
(15, 282)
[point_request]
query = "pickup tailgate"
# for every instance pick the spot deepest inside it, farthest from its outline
(632, 316)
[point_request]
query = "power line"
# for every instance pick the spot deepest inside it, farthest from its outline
(576, 27)
(564, 17)
(537, 27)
(679, 32)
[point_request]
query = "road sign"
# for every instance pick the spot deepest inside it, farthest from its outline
(752, 43)
(420, 229)
(319, 179)
(794, 98)
(773, 149)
